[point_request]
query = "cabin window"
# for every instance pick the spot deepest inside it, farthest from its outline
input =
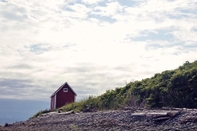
(65, 89)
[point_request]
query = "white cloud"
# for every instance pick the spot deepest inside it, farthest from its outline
(48, 43)
(91, 1)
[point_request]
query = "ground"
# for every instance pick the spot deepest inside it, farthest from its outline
(116, 120)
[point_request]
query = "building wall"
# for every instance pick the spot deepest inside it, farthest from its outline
(53, 103)
(63, 98)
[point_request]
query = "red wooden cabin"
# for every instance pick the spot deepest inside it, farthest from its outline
(63, 95)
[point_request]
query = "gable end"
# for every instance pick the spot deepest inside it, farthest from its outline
(61, 88)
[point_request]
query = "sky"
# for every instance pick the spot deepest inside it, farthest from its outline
(94, 45)
(14, 110)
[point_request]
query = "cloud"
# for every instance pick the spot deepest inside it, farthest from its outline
(164, 35)
(93, 45)
(14, 83)
(109, 10)
(39, 48)
(91, 1)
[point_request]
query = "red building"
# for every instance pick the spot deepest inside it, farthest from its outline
(63, 95)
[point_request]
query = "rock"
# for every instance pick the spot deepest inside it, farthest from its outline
(87, 109)
(66, 113)
(139, 114)
(112, 120)
(161, 119)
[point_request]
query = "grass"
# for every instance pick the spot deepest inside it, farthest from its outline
(41, 112)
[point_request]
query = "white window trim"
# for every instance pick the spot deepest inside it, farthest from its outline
(65, 89)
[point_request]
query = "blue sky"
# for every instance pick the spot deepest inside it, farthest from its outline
(14, 110)
(94, 45)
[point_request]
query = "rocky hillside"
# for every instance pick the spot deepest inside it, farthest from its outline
(114, 120)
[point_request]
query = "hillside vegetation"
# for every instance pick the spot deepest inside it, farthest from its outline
(171, 88)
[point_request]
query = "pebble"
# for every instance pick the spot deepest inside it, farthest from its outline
(116, 120)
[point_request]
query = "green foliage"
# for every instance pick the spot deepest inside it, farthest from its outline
(76, 106)
(176, 88)
(91, 102)
(171, 88)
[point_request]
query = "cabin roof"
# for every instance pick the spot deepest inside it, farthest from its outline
(61, 88)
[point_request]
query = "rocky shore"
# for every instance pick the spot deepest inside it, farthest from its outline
(116, 120)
